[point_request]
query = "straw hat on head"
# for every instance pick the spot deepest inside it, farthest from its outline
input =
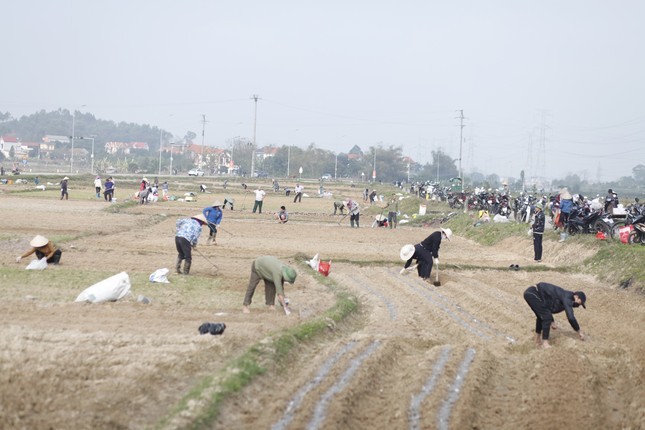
(201, 218)
(145, 179)
(407, 251)
(39, 241)
(447, 232)
(65, 178)
(216, 203)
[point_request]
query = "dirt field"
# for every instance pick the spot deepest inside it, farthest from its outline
(457, 356)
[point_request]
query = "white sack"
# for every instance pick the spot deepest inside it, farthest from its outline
(37, 264)
(110, 289)
(314, 262)
(160, 275)
(500, 218)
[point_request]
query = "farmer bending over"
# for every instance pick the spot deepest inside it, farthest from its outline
(274, 273)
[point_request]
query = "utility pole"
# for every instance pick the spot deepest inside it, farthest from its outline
(461, 142)
(203, 129)
(255, 121)
(160, 148)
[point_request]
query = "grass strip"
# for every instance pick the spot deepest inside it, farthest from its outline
(241, 371)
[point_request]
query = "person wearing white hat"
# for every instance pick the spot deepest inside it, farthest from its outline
(425, 252)
(42, 247)
(188, 231)
(213, 215)
(63, 189)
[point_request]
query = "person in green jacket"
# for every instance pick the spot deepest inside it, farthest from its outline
(274, 273)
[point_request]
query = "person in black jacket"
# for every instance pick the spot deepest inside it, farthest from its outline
(424, 253)
(538, 231)
(548, 299)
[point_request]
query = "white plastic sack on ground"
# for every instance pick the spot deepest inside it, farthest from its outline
(37, 264)
(160, 275)
(314, 262)
(500, 218)
(110, 289)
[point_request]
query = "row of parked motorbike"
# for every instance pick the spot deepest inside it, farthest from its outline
(630, 224)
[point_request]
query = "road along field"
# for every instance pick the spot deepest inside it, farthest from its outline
(411, 356)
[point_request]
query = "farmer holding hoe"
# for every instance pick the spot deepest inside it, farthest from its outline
(424, 253)
(274, 273)
(188, 231)
(213, 215)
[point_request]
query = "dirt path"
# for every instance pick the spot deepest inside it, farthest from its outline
(457, 356)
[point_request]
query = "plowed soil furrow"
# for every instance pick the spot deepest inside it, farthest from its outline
(458, 356)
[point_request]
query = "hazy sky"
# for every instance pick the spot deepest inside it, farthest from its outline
(563, 77)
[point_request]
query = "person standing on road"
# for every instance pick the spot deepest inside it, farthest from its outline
(259, 198)
(42, 247)
(547, 299)
(63, 189)
(274, 273)
(97, 187)
(298, 190)
(213, 215)
(424, 253)
(188, 231)
(538, 232)
(354, 213)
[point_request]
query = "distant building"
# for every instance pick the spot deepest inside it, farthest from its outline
(8, 142)
(125, 147)
(51, 138)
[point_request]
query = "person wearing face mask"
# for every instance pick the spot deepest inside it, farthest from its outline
(546, 299)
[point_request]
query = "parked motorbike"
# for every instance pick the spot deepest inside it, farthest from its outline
(638, 234)
(634, 212)
(586, 224)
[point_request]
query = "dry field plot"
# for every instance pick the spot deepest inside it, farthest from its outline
(415, 356)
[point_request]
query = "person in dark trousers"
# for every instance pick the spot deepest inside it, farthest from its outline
(109, 189)
(42, 247)
(548, 299)
(393, 210)
(213, 215)
(298, 190)
(188, 231)
(538, 232)
(354, 213)
(424, 253)
(63, 189)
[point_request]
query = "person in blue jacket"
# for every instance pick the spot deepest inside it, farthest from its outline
(213, 215)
